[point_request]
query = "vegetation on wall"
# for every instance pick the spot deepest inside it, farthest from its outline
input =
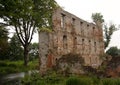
(67, 62)
(45, 30)
(71, 58)
(97, 17)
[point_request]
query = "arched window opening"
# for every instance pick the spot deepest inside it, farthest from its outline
(95, 46)
(63, 20)
(65, 42)
(73, 22)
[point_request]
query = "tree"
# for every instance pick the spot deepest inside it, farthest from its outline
(108, 30)
(15, 49)
(113, 51)
(97, 17)
(25, 16)
(3, 42)
(34, 47)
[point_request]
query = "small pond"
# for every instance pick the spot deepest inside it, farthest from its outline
(14, 79)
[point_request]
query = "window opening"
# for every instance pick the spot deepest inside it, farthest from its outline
(62, 20)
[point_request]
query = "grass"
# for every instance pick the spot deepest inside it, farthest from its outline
(110, 81)
(8, 67)
(36, 79)
(52, 78)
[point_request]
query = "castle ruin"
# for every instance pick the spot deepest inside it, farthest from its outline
(70, 34)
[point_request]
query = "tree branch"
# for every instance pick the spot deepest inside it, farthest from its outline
(4, 24)
(17, 32)
(32, 32)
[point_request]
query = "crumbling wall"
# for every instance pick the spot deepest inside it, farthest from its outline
(69, 63)
(71, 34)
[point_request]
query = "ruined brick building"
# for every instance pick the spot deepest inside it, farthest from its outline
(70, 34)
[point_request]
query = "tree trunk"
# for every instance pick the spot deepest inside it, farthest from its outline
(26, 55)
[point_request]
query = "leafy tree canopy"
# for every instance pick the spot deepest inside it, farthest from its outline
(113, 51)
(15, 49)
(97, 17)
(25, 16)
(34, 48)
(3, 42)
(108, 29)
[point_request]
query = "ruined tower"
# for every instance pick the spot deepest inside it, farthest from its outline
(70, 34)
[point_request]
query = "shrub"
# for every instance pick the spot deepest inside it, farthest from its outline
(2, 63)
(117, 82)
(36, 79)
(78, 81)
(33, 79)
(95, 80)
(73, 81)
(107, 81)
(85, 81)
(7, 67)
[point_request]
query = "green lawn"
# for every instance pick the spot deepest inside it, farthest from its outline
(7, 67)
(52, 78)
(35, 79)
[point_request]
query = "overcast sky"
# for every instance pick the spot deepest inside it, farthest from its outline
(84, 9)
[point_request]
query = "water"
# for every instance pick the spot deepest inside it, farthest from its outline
(14, 79)
(11, 82)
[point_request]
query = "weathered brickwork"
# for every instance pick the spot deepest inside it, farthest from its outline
(70, 34)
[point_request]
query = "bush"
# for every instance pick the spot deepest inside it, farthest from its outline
(85, 81)
(96, 81)
(117, 82)
(78, 81)
(73, 81)
(2, 63)
(33, 79)
(107, 81)
(8, 67)
(36, 79)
